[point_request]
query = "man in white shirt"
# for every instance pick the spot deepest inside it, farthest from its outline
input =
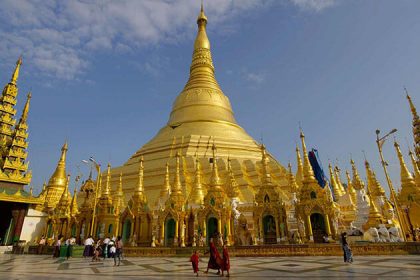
(88, 252)
(105, 247)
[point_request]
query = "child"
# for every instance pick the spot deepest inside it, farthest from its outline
(194, 260)
(226, 261)
(97, 252)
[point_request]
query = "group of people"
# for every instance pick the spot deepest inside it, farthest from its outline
(215, 261)
(69, 243)
(106, 248)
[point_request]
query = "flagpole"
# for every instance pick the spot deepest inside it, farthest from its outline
(98, 179)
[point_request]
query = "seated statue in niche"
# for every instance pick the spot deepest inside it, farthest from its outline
(243, 234)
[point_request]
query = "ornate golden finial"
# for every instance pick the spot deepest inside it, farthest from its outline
(140, 188)
(66, 193)
(338, 179)
(416, 127)
(373, 185)
(177, 187)
(167, 184)
(214, 180)
(25, 112)
(308, 173)
(416, 169)
(106, 191)
(120, 186)
(299, 171)
(412, 107)
(357, 182)
(73, 205)
(266, 176)
(350, 188)
(336, 190)
(16, 72)
(58, 179)
(197, 192)
(406, 177)
(292, 181)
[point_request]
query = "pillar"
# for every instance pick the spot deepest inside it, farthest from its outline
(309, 225)
(261, 231)
(162, 233)
(20, 217)
(277, 229)
(182, 234)
(176, 232)
(205, 232)
(229, 234)
(219, 226)
(327, 225)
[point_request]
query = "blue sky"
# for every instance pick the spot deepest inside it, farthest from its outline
(104, 74)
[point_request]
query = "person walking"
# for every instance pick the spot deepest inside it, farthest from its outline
(194, 261)
(226, 261)
(70, 243)
(41, 245)
(215, 260)
(88, 251)
(348, 256)
(119, 247)
(57, 246)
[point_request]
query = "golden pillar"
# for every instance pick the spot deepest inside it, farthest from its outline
(229, 235)
(162, 233)
(219, 226)
(327, 225)
(277, 229)
(309, 226)
(204, 232)
(261, 231)
(176, 232)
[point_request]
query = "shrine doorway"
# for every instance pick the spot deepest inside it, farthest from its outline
(169, 232)
(318, 227)
(126, 231)
(212, 228)
(269, 225)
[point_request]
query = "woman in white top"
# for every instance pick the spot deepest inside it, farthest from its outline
(88, 252)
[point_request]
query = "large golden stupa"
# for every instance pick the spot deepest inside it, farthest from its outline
(201, 116)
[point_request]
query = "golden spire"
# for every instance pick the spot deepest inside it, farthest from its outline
(214, 180)
(25, 112)
(373, 184)
(65, 195)
(292, 182)
(177, 187)
(266, 177)
(166, 185)
(308, 173)
(416, 127)
(338, 179)
(73, 205)
(357, 182)
(406, 177)
(350, 188)
(140, 188)
(416, 169)
(107, 190)
(59, 176)
(197, 192)
(336, 190)
(119, 196)
(16, 72)
(232, 188)
(120, 186)
(299, 171)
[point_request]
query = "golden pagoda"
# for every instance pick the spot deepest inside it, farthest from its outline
(416, 128)
(58, 181)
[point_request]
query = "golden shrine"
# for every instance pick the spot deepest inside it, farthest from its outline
(203, 176)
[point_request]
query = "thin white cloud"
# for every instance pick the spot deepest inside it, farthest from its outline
(257, 78)
(313, 5)
(59, 37)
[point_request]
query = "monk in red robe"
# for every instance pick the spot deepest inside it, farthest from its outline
(226, 261)
(194, 261)
(215, 260)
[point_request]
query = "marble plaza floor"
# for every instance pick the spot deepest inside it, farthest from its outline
(14, 267)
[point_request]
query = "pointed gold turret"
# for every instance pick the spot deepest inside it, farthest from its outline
(416, 128)
(266, 176)
(58, 180)
(308, 173)
(166, 190)
(177, 186)
(357, 182)
(336, 190)
(338, 179)
(232, 189)
(373, 185)
(25, 112)
(416, 169)
(292, 181)
(74, 209)
(409, 190)
(299, 171)
(119, 196)
(107, 190)
(197, 192)
(350, 188)
(63, 206)
(15, 75)
(406, 177)
(215, 179)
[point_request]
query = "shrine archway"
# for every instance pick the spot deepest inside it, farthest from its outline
(269, 225)
(212, 228)
(169, 232)
(126, 231)
(318, 227)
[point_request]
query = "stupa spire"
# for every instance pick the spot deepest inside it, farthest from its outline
(416, 169)
(107, 190)
(232, 189)
(308, 173)
(357, 182)
(373, 184)
(59, 176)
(292, 181)
(215, 179)
(197, 192)
(25, 111)
(338, 179)
(350, 188)
(299, 171)
(166, 190)
(15, 74)
(416, 127)
(336, 190)
(266, 176)
(140, 188)
(406, 177)
(177, 187)
(73, 205)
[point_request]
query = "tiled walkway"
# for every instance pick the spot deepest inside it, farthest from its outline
(15, 267)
